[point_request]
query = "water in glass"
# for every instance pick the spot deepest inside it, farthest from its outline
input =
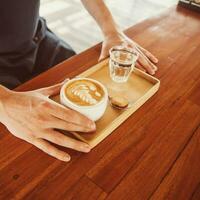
(121, 63)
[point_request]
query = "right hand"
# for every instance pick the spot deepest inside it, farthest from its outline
(146, 60)
(33, 117)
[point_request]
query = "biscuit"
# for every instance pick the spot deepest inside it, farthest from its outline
(119, 102)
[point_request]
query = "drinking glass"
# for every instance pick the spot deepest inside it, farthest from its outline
(121, 63)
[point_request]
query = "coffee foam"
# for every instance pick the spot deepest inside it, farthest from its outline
(84, 92)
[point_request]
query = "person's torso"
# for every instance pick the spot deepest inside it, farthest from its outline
(18, 23)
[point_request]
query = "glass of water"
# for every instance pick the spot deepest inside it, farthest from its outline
(121, 63)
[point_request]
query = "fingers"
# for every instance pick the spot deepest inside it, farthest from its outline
(51, 150)
(71, 116)
(146, 65)
(102, 56)
(139, 66)
(52, 90)
(146, 60)
(149, 55)
(65, 141)
(104, 53)
(63, 125)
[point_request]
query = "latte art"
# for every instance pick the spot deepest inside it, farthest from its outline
(84, 92)
(86, 96)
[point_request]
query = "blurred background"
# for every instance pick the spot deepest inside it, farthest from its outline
(69, 20)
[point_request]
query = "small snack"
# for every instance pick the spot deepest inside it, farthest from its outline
(119, 102)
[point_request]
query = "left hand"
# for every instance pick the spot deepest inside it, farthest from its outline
(146, 61)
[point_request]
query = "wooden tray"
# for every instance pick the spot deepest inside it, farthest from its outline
(139, 88)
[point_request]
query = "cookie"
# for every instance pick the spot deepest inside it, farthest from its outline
(119, 102)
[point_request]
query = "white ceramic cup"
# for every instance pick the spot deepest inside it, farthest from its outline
(93, 112)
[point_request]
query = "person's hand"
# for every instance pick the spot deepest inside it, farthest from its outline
(146, 61)
(35, 118)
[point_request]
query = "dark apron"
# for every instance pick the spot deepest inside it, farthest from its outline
(27, 46)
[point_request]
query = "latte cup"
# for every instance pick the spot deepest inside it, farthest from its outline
(93, 112)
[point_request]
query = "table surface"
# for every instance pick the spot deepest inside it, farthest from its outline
(154, 154)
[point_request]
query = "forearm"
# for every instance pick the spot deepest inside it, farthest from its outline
(3, 95)
(3, 92)
(102, 16)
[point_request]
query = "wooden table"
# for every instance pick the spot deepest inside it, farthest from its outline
(155, 154)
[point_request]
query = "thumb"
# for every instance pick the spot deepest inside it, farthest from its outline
(104, 54)
(101, 57)
(52, 90)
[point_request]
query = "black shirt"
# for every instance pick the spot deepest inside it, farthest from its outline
(27, 46)
(19, 24)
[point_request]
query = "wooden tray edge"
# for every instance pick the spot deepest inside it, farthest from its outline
(119, 120)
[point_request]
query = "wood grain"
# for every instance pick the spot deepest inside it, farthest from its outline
(184, 177)
(155, 162)
(151, 155)
(85, 189)
(196, 194)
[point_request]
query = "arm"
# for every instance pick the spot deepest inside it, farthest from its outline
(114, 36)
(33, 117)
(102, 16)
(3, 94)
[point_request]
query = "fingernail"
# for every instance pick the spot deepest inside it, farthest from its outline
(152, 73)
(86, 148)
(155, 60)
(66, 80)
(92, 125)
(67, 158)
(156, 68)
